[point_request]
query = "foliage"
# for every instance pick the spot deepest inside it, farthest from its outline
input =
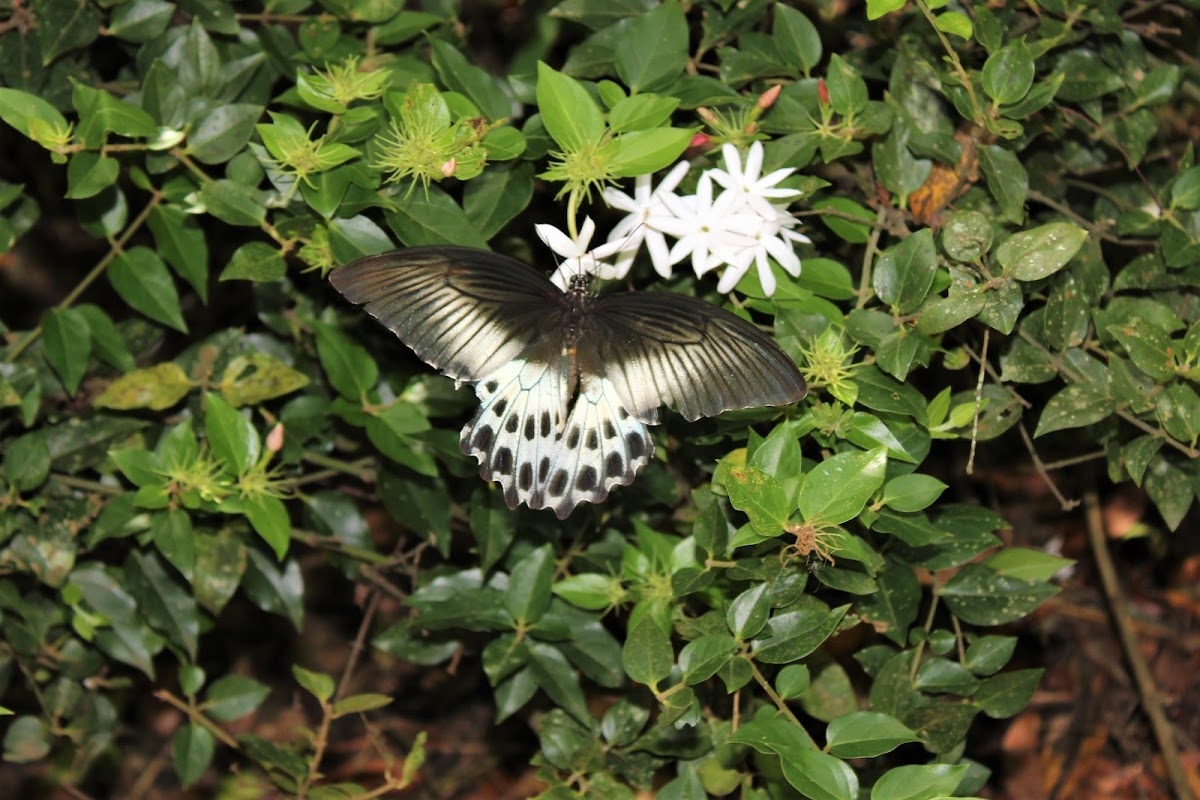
(1003, 187)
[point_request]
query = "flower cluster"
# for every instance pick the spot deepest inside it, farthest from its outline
(741, 226)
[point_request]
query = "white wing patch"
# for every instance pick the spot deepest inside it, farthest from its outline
(520, 439)
(522, 406)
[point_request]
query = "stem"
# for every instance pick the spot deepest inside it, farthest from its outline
(194, 714)
(864, 282)
(1119, 606)
(117, 247)
(777, 700)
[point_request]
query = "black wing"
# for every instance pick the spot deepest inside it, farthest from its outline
(672, 350)
(466, 312)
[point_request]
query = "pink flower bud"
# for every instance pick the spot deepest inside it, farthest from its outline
(822, 92)
(448, 168)
(275, 438)
(767, 98)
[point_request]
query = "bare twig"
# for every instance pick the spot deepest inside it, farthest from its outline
(1118, 605)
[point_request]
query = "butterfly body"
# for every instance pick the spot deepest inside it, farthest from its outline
(568, 382)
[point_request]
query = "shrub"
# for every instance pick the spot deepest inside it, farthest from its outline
(1004, 238)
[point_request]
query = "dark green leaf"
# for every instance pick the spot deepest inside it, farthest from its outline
(66, 341)
(142, 280)
(192, 748)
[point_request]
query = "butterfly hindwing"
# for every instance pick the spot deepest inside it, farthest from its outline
(601, 446)
(522, 406)
(466, 312)
(671, 350)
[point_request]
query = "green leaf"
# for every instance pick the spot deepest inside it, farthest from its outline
(163, 602)
(1040, 252)
(892, 608)
(988, 654)
(88, 174)
(904, 273)
(27, 461)
(172, 533)
(704, 656)
(67, 343)
(1148, 345)
(797, 38)
(1008, 73)
(528, 594)
(140, 20)
(347, 364)
(1074, 407)
(591, 590)
(269, 518)
(981, 596)
(180, 241)
(493, 199)
(223, 132)
(255, 261)
(919, 782)
(318, 684)
(866, 734)
(360, 703)
(142, 280)
(65, 25)
(760, 497)
(796, 634)
(105, 339)
(644, 152)
(655, 49)
(1005, 695)
(747, 613)
(459, 75)
(1026, 563)
(819, 776)
(102, 115)
(569, 113)
(847, 89)
(647, 655)
(838, 488)
(254, 378)
(233, 697)
(1169, 488)
(554, 674)
(912, 492)
(157, 388)
(30, 114)
(233, 203)
(1007, 181)
(437, 220)
(26, 740)
(231, 435)
(192, 747)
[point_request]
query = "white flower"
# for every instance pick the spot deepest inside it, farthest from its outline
(578, 257)
(708, 230)
(752, 190)
(639, 224)
(771, 237)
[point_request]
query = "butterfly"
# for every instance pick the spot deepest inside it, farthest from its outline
(568, 382)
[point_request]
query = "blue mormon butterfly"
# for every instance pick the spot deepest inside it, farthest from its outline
(567, 381)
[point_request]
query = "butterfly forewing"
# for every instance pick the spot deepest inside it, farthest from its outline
(466, 312)
(671, 350)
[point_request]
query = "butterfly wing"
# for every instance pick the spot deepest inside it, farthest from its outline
(467, 312)
(671, 350)
(601, 446)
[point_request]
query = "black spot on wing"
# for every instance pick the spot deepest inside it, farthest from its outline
(499, 406)
(635, 446)
(614, 467)
(545, 426)
(503, 463)
(530, 429)
(558, 484)
(586, 481)
(573, 438)
(525, 476)
(483, 438)
(543, 469)
(511, 424)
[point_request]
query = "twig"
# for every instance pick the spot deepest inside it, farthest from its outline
(1147, 690)
(1063, 502)
(360, 640)
(978, 401)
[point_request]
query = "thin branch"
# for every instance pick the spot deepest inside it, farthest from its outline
(1119, 605)
(1063, 502)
